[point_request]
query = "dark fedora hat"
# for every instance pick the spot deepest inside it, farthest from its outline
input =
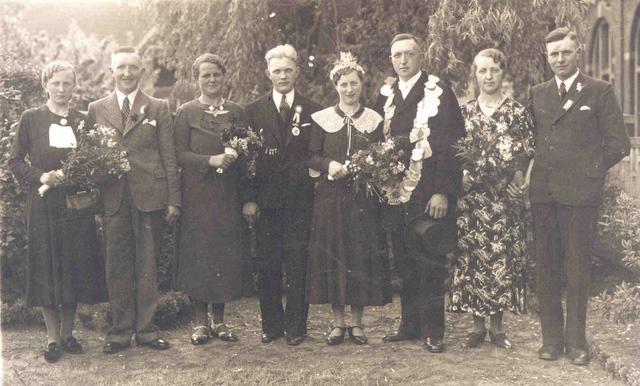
(438, 237)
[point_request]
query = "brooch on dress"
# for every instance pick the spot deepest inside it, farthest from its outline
(216, 110)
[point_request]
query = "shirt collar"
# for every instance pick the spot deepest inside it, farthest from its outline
(277, 98)
(567, 82)
(408, 85)
(132, 97)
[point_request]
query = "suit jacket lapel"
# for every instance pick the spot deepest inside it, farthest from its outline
(415, 94)
(112, 112)
(572, 98)
(136, 115)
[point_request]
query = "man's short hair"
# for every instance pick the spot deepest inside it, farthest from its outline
(404, 36)
(560, 33)
(282, 51)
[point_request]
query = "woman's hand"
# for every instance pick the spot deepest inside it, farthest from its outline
(52, 178)
(337, 170)
(221, 160)
(466, 182)
(515, 186)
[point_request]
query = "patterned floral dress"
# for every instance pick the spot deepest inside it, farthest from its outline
(489, 274)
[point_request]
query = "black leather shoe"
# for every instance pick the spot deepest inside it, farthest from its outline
(474, 339)
(156, 344)
(398, 336)
(578, 356)
(548, 353)
(71, 345)
(295, 340)
(333, 340)
(268, 338)
(500, 340)
(357, 339)
(52, 353)
(434, 345)
(114, 347)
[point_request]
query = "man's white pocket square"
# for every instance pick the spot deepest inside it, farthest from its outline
(585, 108)
(152, 122)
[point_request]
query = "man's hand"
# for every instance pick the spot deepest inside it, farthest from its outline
(337, 170)
(171, 214)
(250, 212)
(517, 184)
(437, 206)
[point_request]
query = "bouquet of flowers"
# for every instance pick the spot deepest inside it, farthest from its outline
(97, 156)
(387, 171)
(245, 144)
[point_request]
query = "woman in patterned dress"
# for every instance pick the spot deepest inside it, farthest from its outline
(347, 264)
(210, 260)
(489, 274)
(65, 265)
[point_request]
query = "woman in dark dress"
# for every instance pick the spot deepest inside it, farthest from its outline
(210, 265)
(489, 275)
(65, 265)
(347, 263)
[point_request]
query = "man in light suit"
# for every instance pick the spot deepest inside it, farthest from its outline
(423, 272)
(283, 197)
(580, 133)
(134, 204)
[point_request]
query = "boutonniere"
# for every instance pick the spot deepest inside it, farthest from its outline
(150, 122)
(568, 105)
(295, 130)
(579, 86)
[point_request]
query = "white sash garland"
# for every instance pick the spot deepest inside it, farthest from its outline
(426, 108)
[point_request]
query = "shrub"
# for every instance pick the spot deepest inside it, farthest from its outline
(619, 240)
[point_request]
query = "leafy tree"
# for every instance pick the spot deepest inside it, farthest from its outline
(452, 32)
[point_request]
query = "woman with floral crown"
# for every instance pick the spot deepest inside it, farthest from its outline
(347, 264)
(489, 274)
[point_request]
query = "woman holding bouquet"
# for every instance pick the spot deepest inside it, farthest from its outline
(489, 274)
(65, 265)
(347, 264)
(210, 265)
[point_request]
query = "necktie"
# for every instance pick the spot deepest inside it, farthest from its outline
(563, 91)
(126, 109)
(284, 109)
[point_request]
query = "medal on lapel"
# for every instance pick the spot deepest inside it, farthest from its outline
(295, 130)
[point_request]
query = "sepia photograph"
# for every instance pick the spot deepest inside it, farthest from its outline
(320, 192)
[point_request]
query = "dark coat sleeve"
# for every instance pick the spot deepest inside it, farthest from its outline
(317, 161)
(448, 175)
(168, 153)
(616, 144)
(25, 173)
(182, 137)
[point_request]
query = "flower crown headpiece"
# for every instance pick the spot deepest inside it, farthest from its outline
(346, 60)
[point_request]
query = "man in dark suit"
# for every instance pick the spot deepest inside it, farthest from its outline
(579, 135)
(284, 197)
(134, 204)
(423, 272)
